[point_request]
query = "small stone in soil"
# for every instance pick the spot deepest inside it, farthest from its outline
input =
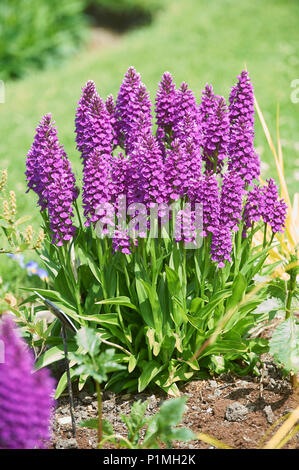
(236, 412)
(65, 421)
(66, 444)
(269, 414)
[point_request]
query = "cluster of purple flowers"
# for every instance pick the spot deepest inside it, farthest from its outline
(49, 174)
(201, 153)
(26, 401)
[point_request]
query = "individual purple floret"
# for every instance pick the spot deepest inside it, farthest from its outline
(221, 245)
(81, 119)
(243, 157)
(26, 401)
(231, 201)
(216, 133)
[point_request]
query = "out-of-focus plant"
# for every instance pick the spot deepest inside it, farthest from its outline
(14, 241)
(284, 344)
(26, 398)
(33, 32)
(96, 364)
(123, 14)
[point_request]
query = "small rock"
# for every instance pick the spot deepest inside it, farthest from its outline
(87, 400)
(242, 383)
(209, 410)
(127, 396)
(269, 414)
(66, 444)
(236, 412)
(213, 383)
(109, 405)
(65, 420)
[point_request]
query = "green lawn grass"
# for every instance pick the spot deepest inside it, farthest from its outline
(198, 41)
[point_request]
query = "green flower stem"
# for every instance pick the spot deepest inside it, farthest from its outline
(238, 242)
(206, 261)
(100, 413)
(78, 214)
(291, 286)
(265, 236)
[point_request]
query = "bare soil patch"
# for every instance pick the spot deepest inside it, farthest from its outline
(236, 410)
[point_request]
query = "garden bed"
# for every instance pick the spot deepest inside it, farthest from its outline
(212, 408)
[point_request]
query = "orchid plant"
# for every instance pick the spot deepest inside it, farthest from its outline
(161, 246)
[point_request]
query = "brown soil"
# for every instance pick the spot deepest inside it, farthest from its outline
(266, 398)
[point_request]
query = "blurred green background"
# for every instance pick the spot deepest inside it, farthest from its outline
(198, 41)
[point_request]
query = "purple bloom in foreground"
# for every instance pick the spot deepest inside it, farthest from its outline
(25, 397)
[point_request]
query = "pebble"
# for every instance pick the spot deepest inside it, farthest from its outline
(213, 383)
(236, 412)
(66, 444)
(65, 420)
(269, 414)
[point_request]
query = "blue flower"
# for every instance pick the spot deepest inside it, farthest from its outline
(42, 274)
(18, 257)
(32, 268)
